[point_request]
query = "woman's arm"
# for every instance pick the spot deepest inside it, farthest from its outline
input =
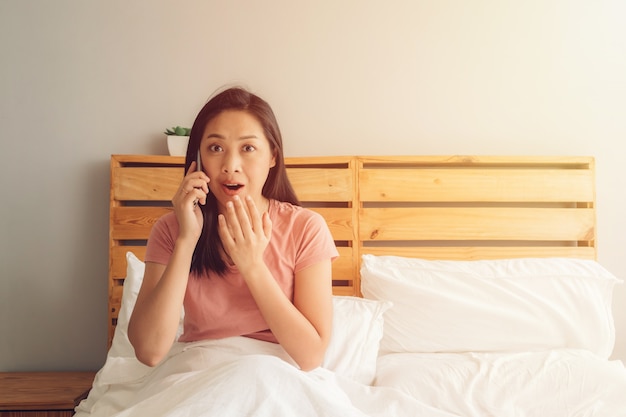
(303, 327)
(154, 321)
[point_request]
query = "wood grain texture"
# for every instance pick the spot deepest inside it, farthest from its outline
(476, 185)
(48, 392)
(476, 224)
(145, 183)
(322, 184)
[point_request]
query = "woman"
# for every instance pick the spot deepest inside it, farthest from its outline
(238, 251)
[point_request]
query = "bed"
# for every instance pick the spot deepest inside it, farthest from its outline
(466, 286)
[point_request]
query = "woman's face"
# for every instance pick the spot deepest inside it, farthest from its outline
(236, 156)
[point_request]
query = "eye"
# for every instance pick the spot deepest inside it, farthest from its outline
(215, 148)
(248, 148)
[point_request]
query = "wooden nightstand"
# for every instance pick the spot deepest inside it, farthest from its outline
(42, 394)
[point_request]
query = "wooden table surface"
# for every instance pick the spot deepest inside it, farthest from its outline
(43, 390)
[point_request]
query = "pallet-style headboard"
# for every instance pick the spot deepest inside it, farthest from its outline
(434, 207)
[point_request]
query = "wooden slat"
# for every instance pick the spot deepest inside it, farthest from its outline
(483, 252)
(115, 301)
(160, 184)
(440, 223)
(477, 185)
(350, 291)
(343, 266)
(145, 183)
(319, 161)
(134, 222)
(117, 259)
(477, 161)
(321, 184)
(343, 269)
(123, 160)
(339, 221)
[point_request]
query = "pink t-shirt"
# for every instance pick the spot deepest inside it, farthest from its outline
(218, 307)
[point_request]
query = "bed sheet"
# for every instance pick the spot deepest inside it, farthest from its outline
(238, 377)
(554, 383)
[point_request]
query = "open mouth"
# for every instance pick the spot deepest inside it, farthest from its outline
(233, 187)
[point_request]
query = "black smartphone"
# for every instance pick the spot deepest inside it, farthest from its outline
(198, 168)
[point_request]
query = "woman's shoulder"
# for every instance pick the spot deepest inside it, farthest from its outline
(284, 212)
(168, 219)
(283, 208)
(162, 238)
(167, 222)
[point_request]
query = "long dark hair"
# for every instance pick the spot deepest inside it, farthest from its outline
(207, 256)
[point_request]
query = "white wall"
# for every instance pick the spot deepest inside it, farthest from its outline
(81, 80)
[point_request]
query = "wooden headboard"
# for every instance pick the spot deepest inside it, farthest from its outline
(433, 207)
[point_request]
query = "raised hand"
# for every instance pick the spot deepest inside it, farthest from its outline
(193, 191)
(245, 233)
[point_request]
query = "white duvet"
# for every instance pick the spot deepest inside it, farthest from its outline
(245, 377)
(554, 383)
(237, 377)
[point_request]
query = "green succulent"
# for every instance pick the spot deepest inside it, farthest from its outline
(178, 131)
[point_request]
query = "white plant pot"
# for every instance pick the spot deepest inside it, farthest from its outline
(177, 145)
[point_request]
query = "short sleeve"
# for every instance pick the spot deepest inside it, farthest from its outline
(315, 242)
(161, 240)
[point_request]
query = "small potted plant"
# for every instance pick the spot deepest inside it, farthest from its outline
(177, 140)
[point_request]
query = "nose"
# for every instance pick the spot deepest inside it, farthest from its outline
(231, 162)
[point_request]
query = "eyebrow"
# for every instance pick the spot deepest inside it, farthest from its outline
(218, 136)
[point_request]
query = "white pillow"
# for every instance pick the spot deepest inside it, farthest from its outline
(355, 339)
(492, 305)
(135, 269)
(352, 351)
(121, 363)
(121, 346)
